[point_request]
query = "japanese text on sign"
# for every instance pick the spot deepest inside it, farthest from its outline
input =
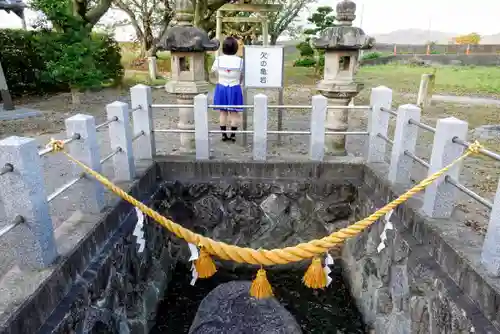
(263, 67)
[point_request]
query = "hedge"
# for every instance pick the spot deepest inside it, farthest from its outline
(24, 55)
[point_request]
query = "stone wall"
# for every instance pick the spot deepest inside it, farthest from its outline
(269, 205)
(104, 284)
(422, 281)
(119, 292)
(440, 59)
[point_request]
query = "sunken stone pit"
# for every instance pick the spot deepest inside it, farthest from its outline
(419, 283)
(257, 214)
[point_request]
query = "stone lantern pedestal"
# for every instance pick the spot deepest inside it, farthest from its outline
(187, 45)
(341, 45)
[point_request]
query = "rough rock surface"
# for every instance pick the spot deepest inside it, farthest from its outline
(402, 289)
(259, 214)
(120, 291)
(230, 309)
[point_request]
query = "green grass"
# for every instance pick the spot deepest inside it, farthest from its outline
(133, 78)
(461, 80)
(131, 61)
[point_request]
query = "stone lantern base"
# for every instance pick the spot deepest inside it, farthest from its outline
(185, 93)
(338, 94)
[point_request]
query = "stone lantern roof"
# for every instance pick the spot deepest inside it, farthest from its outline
(344, 36)
(16, 6)
(183, 37)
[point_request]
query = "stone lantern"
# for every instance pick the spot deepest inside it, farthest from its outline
(187, 46)
(341, 45)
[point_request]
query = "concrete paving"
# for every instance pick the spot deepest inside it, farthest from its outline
(18, 113)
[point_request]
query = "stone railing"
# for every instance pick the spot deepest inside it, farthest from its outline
(22, 188)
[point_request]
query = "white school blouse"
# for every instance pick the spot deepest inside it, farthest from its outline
(228, 69)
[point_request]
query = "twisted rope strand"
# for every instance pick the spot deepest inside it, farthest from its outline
(265, 257)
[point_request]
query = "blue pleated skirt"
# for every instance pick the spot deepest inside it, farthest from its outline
(228, 96)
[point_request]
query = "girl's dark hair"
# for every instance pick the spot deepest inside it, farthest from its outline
(230, 46)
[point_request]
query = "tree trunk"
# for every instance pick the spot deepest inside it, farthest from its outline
(76, 97)
(273, 39)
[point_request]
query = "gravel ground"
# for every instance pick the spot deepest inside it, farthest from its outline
(59, 171)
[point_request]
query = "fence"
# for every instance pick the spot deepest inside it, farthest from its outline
(26, 203)
(437, 48)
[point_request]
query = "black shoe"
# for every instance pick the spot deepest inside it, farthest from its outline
(233, 135)
(224, 135)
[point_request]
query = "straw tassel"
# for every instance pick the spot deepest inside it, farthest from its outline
(261, 288)
(204, 265)
(315, 277)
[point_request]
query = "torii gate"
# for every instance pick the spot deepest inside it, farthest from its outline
(241, 6)
(262, 9)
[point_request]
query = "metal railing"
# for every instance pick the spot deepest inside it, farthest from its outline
(250, 106)
(271, 132)
(469, 192)
(486, 152)
(417, 159)
(47, 150)
(384, 138)
(422, 125)
(7, 168)
(448, 179)
(390, 111)
(7, 228)
(109, 121)
(121, 139)
(137, 136)
(64, 187)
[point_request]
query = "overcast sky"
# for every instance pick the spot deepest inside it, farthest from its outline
(383, 16)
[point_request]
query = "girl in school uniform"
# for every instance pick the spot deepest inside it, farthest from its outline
(228, 88)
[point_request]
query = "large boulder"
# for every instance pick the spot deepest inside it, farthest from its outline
(229, 309)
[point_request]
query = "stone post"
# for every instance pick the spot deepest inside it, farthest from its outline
(186, 122)
(201, 127)
(120, 137)
(424, 97)
(317, 140)
(341, 45)
(265, 29)
(4, 91)
(86, 150)
(378, 123)
(490, 257)
(23, 193)
(405, 139)
(336, 121)
(260, 127)
(218, 29)
(141, 100)
(152, 69)
(187, 45)
(439, 198)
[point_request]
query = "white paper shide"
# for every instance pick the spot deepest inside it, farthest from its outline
(194, 256)
(388, 226)
(327, 270)
(138, 230)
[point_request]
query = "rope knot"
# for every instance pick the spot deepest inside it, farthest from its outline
(56, 145)
(475, 147)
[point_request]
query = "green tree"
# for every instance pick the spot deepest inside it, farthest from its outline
(72, 14)
(321, 19)
(75, 63)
